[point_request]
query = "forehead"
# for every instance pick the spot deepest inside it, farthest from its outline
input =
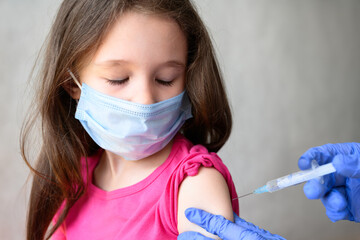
(139, 38)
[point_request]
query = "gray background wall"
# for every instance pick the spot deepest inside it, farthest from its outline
(292, 71)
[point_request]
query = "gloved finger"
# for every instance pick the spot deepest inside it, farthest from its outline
(346, 148)
(251, 235)
(337, 216)
(237, 219)
(321, 154)
(248, 225)
(253, 231)
(192, 236)
(336, 205)
(335, 200)
(241, 222)
(313, 189)
(353, 196)
(226, 229)
(318, 187)
(348, 165)
(215, 224)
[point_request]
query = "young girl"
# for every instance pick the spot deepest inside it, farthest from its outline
(132, 109)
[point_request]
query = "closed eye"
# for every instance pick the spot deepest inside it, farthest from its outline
(117, 82)
(123, 81)
(165, 83)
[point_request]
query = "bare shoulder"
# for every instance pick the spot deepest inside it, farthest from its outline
(207, 190)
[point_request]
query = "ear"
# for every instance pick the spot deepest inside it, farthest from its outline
(72, 88)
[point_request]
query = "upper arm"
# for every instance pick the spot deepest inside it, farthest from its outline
(207, 190)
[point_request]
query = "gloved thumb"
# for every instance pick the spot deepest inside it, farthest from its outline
(347, 165)
(192, 236)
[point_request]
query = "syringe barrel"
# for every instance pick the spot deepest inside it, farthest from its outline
(299, 177)
(272, 186)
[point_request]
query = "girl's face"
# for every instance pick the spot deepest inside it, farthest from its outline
(142, 59)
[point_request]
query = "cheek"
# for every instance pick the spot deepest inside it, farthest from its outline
(176, 89)
(182, 82)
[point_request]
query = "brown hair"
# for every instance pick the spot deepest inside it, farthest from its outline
(76, 34)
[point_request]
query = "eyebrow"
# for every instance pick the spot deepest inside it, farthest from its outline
(116, 62)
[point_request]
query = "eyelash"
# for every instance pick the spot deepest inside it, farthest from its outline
(123, 81)
(165, 83)
(117, 82)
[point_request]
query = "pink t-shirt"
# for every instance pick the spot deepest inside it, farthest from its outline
(145, 210)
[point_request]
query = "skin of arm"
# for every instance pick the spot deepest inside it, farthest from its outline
(208, 191)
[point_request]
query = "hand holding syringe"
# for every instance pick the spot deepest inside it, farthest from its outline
(294, 178)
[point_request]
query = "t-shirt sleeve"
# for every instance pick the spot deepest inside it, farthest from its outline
(197, 157)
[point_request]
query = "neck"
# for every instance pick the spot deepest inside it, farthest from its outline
(114, 171)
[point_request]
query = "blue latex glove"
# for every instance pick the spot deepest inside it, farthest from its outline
(225, 229)
(340, 191)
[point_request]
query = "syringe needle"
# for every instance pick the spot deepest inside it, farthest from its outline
(243, 196)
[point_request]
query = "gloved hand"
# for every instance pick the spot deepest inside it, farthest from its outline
(340, 191)
(225, 229)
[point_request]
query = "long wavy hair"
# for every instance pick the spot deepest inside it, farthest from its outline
(76, 34)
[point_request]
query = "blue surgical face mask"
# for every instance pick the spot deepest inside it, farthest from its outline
(131, 130)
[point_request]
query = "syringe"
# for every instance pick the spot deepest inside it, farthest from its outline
(294, 178)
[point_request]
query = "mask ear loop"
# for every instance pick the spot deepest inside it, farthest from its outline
(74, 78)
(76, 82)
